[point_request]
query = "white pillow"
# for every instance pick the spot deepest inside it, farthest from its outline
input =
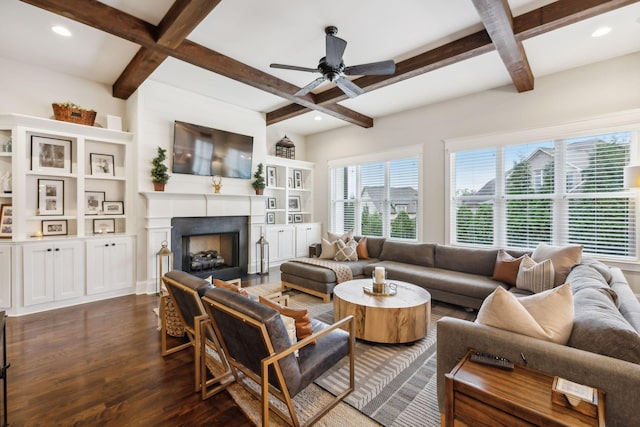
(535, 277)
(346, 251)
(328, 249)
(332, 237)
(547, 315)
(290, 325)
(562, 257)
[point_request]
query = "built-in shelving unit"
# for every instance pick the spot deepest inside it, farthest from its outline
(288, 191)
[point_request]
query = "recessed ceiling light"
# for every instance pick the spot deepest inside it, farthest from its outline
(601, 32)
(317, 118)
(63, 31)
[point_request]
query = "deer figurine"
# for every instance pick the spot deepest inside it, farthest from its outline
(216, 181)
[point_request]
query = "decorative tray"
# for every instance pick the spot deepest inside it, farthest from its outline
(389, 289)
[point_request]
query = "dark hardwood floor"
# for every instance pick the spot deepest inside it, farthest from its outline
(99, 364)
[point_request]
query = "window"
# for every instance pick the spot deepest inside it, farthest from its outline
(560, 191)
(378, 198)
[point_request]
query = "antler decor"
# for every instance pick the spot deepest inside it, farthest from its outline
(216, 181)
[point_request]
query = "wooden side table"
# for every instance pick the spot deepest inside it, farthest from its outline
(481, 395)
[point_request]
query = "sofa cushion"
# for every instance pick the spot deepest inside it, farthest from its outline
(506, 268)
(321, 274)
(584, 276)
(375, 245)
(466, 260)
(301, 317)
(546, 315)
(600, 328)
(346, 251)
(535, 276)
(410, 253)
(563, 258)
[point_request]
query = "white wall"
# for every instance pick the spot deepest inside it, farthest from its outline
(599, 89)
(31, 90)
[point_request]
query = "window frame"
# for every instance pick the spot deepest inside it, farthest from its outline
(620, 122)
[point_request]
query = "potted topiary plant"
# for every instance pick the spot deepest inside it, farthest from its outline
(159, 175)
(259, 183)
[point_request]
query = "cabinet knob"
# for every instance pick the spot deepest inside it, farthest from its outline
(106, 245)
(57, 249)
(49, 250)
(113, 244)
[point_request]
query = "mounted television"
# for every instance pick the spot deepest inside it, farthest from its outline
(199, 150)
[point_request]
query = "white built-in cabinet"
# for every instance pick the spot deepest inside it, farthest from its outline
(5, 276)
(289, 191)
(282, 242)
(54, 180)
(52, 271)
(306, 234)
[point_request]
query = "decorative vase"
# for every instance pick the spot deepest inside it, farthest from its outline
(259, 191)
(158, 186)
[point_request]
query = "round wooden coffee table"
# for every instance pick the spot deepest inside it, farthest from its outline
(400, 318)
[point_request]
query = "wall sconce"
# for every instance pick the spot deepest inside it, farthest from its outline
(163, 254)
(262, 255)
(632, 176)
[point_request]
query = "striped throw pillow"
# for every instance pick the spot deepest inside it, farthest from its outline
(535, 277)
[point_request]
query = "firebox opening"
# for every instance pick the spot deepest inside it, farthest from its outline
(210, 252)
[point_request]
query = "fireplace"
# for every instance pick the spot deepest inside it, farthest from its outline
(210, 246)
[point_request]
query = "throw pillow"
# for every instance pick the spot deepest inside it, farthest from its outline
(535, 277)
(562, 257)
(332, 237)
(290, 325)
(346, 251)
(328, 249)
(361, 249)
(301, 317)
(237, 289)
(506, 268)
(547, 316)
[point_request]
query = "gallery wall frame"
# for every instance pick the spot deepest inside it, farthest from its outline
(6, 221)
(54, 227)
(104, 225)
(50, 197)
(272, 176)
(50, 155)
(113, 207)
(93, 202)
(294, 203)
(102, 164)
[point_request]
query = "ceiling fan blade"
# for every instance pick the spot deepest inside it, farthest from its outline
(335, 49)
(308, 88)
(349, 88)
(294, 67)
(381, 68)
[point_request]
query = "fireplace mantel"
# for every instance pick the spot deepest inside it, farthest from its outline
(162, 204)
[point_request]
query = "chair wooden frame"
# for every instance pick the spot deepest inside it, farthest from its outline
(197, 336)
(262, 380)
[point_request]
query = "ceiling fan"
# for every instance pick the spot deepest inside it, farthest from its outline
(333, 69)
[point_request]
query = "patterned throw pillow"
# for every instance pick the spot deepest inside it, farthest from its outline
(346, 251)
(535, 277)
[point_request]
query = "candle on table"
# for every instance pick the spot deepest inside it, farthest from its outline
(379, 274)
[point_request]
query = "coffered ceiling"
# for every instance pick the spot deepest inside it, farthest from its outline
(222, 49)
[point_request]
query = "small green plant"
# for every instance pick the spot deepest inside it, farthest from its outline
(259, 183)
(159, 170)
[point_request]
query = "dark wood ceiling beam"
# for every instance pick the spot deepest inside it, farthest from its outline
(498, 21)
(181, 19)
(539, 21)
(118, 23)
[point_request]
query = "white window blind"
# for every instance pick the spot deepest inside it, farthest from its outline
(376, 198)
(563, 191)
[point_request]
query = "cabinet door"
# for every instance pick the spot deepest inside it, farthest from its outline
(97, 266)
(5, 276)
(306, 234)
(109, 264)
(38, 272)
(69, 270)
(121, 263)
(286, 243)
(272, 235)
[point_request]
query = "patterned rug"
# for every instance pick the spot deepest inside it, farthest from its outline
(395, 383)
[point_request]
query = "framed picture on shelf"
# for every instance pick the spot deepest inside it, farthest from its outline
(93, 202)
(297, 218)
(290, 219)
(50, 154)
(50, 197)
(297, 178)
(272, 177)
(271, 203)
(271, 218)
(294, 203)
(113, 208)
(54, 227)
(102, 164)
(6, 221)
(290, 182)
(104, 225)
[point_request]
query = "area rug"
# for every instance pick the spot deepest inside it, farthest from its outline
(395, 384)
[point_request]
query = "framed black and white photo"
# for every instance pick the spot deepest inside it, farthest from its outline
(113, 208)
(6, 221)
(101, 164)
(272, 177)
(50, 197)
(297, 178)
(290, 219)
(271, 218)
(271, 203)
(93, 202)
(297, 218)
(50, 155)
(104, 225)
(294, 203)
(54, 227)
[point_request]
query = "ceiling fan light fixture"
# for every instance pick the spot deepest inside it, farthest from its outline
(601, 31)
(317, 118)
(61, 30)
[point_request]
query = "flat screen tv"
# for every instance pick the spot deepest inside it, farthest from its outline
(199, 150)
